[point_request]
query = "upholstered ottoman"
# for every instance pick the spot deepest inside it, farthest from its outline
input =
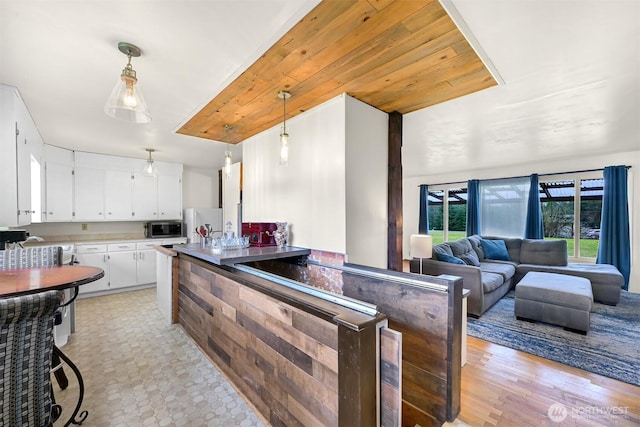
(555, 298)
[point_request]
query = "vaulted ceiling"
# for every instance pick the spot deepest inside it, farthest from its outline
(395, 55)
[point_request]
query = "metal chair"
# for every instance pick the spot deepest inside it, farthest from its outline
(26, 348)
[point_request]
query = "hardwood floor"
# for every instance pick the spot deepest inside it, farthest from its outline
(506, 387)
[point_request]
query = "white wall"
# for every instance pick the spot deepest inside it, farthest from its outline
(411, 196)
(308, 193)
(200, 188)
(333, 192)
(366, 183)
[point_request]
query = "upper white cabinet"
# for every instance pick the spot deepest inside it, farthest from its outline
(110, 188)
(117, 196)
(88, 194)
(145, 197)
(21, 147)
(58, 185)
(170, 196)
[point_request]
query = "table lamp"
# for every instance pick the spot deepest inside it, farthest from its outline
(420, 247)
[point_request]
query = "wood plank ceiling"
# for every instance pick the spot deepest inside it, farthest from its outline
(395, 55)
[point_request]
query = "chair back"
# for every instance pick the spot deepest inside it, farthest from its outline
(45, 256)
(26, 345)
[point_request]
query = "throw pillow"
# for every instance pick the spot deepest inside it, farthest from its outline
(449, 258)
(495, 249)
(470, 258)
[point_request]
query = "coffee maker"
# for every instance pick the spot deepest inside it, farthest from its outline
(7, 237)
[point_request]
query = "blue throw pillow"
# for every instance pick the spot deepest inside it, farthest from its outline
(495, 249)
(449, 258)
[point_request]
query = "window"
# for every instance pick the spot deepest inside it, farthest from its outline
(572, 212)
(447, 215)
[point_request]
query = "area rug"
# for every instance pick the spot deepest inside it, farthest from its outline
(610, 348)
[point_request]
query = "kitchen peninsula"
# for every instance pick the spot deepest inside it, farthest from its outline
(309, 344)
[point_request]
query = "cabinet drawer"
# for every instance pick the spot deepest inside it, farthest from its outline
(147, 245)
(119, 247)
(90, 249)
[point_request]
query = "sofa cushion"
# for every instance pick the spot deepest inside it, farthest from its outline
(495, 249)
(513, 246)
(470, 258)
(491, 281)
(476, 244)
(544, 252)
(449, 258)
(506, 269)
(441, 248)
(462, 249)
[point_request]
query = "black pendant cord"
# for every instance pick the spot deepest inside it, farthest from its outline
(83, 415)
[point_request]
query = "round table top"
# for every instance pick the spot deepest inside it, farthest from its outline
(31, 280)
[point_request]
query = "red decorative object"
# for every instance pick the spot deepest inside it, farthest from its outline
(260, 233)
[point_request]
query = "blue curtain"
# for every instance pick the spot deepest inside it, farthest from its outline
(473, 207)
(533, 226)
(423, 224)
(615, 245)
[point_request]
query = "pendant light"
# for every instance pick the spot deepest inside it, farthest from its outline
(126, 101)
(227, 157)
(284, 136)
(149, 169)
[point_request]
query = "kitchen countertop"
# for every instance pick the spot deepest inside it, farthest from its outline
(230, 257)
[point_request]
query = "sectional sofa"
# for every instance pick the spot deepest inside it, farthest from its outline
(490, 266)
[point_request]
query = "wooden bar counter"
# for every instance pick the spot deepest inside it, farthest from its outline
(300, 360)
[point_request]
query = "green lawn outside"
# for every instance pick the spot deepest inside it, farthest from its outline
(588, 247)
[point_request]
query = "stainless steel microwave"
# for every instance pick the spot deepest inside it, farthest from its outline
(155, 229)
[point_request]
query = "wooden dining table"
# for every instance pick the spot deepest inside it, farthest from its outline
(39, 279)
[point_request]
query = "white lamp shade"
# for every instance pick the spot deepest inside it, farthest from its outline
(421, 245)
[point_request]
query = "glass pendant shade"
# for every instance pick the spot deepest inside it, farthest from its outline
(126, 101)
(227, 164)
(284, 136)
(284, 148)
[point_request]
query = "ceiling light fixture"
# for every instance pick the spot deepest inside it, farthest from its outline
(149, 169)
(126, 101)
(227, 157)
(284, 136)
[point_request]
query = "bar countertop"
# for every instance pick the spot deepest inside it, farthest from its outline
(235, 256)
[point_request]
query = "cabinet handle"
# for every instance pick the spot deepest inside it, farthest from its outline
(134, 255)
(50, 213)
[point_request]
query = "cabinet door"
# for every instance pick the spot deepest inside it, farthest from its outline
(89, 194)
(95, 260)
(58, 192)
(28, 161)
(146, 266)
(145, 197)
(117, 196)
(122, 269)
(8, 173)
(169, 197)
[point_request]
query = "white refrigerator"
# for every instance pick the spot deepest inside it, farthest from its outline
(195, 217)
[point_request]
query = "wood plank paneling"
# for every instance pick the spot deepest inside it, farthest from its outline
(297, 368)
(396, 55)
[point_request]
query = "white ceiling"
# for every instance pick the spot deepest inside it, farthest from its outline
(571, 70)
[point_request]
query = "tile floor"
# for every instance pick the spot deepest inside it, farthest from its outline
(139, 371)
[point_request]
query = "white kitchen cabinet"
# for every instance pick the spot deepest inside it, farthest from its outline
(145, 197)
(89, 194)
(58, 200)
(21, 148)
(123, 263)
(146, 267)
(231, 191)
(95, 256)
(117, 196)
(169, 197)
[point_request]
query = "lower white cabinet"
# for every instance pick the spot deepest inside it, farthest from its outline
(122, 265)
(95, 256)
(125, 264)
(146, 267)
